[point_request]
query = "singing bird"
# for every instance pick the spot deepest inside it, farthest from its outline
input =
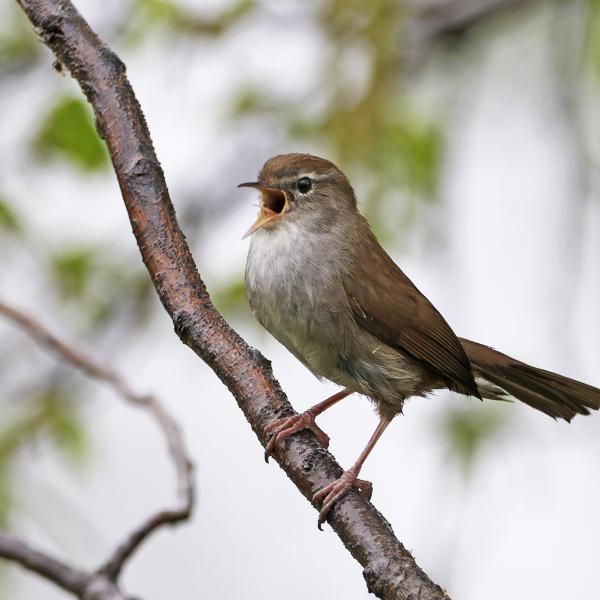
(320, 283)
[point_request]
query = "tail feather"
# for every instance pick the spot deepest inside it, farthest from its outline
(553, 394)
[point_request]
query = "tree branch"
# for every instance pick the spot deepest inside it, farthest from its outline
(389, 569)
(86, 586)
(67, 577)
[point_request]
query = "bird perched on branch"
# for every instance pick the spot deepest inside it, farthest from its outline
(320, 283)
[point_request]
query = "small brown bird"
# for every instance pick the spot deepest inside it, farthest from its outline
(320, 283)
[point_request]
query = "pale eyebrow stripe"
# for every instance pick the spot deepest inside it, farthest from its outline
(312, 175)
(319, 177)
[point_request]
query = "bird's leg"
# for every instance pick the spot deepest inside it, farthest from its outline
(331, 493)
(283, 428)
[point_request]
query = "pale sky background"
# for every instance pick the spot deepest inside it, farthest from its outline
(526, 525)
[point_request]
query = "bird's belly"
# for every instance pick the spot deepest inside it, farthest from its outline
(305, 331)
(340, 352)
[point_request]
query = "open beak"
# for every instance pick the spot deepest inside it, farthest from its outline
(273, 205)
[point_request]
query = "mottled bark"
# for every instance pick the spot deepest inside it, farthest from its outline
(389, 569)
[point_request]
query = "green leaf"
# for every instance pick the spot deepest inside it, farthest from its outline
(231, 298)
(68, 131)
(593, 37)
(63, 423)
(6, 495)
(417, 147)
(73, 269)
(247, 101)
(18, 45)
(50, 413)
(8, 218)
(467, 430)
(175, 15)
(158, 10)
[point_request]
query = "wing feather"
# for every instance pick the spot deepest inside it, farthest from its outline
(387, 304)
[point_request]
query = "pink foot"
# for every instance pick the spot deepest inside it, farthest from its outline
(331, 493)
(283, 428)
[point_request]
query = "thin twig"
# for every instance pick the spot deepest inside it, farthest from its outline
(65, 576)
(185, 476)
(446, 18)
(174, 438)
(432, 22)
(389, 569)
(85, 585)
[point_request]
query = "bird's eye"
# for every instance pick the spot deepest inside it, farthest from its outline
(304, 185)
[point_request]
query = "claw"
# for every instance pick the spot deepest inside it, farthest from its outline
(331, 493)
(283, 428)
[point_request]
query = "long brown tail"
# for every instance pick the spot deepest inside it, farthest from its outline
(555, 395)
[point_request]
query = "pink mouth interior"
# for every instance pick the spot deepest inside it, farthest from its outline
(274, 200)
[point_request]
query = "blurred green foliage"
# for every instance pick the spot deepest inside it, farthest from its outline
(19, 48)
(68, 131)
(467, 429)
(48, 415)
(9, 221)
(73, 269)
(230, 298)
(594, 37)
(102, 287)
(62, 422)
(418, 146)
(6, 494)
(375, 128)
(182, 20)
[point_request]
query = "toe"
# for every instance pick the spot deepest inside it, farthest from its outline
(332, 498)
(364, 487)
(270, 447)
(320, 435)
(281, 429)
(278, 425)
(323, 492)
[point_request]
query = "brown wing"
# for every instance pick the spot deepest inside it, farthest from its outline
(387, 304)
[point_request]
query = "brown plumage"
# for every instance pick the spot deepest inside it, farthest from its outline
(553, 394)
(386, 303)
(319, 281)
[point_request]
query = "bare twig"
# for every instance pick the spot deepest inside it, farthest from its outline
(452, 18)
(104, 579)
(185, 476)
(84, 585)
(432, 22)
(389, 569)
(170, 429)
(65, 576)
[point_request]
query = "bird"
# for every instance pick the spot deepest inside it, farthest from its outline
(318, 280)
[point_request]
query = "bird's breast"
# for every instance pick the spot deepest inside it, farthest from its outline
(291, 287)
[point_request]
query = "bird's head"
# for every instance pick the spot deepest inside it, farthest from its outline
(301, 188)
